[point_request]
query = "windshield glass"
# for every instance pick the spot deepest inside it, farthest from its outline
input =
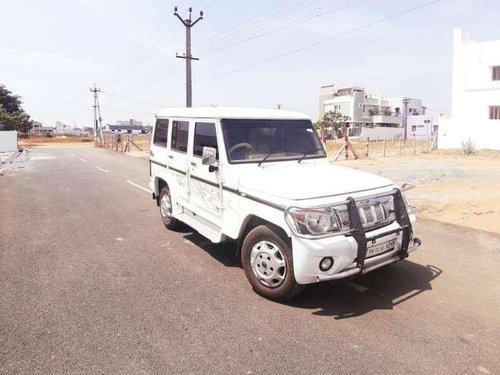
(253, 140)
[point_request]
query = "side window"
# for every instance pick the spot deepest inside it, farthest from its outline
(161, 133)
(204, 136)
(180, 135)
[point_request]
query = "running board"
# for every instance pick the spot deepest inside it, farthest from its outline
(200, 225)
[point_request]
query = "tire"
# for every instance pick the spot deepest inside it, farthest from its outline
(266, 257)
(165, 203)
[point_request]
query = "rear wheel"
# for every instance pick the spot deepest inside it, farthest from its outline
(166, 209)
(266, 257)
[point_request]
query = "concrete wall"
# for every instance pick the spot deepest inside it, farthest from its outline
(381, 133)
(484, 134)
(473, 91)
(8, 140)
(422, 127)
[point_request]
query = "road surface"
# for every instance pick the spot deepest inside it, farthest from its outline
(92, 283)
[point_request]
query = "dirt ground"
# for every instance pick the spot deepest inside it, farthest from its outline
(450, 187)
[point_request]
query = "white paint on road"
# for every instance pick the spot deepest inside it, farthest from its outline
(101, 169)
(42, 157)
(72, 154)
(359, 288)
(83, 160)
(138, 186)
(484, 370)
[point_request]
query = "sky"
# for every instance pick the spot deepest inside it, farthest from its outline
(257, 53)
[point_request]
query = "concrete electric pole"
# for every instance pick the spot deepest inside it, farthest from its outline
(188, 24)
(98, 137)
(405, 117)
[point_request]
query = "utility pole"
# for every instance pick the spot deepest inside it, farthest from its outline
(188, 24)
(98, 137)
(405, 117)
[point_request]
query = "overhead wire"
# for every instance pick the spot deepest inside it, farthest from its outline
(290, 24)
(251, 23)
(325, 40)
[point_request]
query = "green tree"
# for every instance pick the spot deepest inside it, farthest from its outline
(12, 115)
(333, 120)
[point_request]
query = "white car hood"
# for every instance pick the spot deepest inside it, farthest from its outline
(308, 181)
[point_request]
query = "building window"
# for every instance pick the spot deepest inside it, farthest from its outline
(495, 73)
(204, 136)
(161, 133)
(180, 135)
(495, 112)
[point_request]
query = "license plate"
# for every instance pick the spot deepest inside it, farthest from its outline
(380, 248)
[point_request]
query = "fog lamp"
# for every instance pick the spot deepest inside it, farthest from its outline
(326, 263)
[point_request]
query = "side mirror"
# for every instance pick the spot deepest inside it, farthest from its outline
(209, 156)
(407, 186)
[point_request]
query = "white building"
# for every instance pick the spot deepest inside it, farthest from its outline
(371, 115)
(475, 108)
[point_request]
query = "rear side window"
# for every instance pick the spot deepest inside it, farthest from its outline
(161, 133)
(204, 136)
(180, 135)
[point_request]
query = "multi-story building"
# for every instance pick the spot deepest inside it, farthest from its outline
(475, 97)
(36, 129)
(365, 110)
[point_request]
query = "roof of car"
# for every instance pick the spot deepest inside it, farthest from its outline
(231, 113)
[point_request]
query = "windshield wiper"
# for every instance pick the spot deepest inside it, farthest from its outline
(308, 153)
(269, 154)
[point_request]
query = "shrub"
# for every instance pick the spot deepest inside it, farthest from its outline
(468, 147)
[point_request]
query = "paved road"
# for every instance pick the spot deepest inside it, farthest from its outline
(92, 283)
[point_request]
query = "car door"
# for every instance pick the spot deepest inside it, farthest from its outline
(178, 159)
(204, 182)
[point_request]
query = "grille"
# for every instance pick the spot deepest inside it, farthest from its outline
(372, 212)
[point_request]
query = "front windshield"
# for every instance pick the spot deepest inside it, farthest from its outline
(253, 140)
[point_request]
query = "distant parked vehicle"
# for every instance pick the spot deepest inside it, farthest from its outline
(262, 178)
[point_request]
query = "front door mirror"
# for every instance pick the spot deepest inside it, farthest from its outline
(209, 156)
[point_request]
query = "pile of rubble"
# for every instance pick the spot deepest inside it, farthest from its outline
(14, 160)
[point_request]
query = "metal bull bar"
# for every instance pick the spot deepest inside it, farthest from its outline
(358, 232)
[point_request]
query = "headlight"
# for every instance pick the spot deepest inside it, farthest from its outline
(313, 221)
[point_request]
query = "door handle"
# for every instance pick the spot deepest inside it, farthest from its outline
(170, 156)
(193, 164)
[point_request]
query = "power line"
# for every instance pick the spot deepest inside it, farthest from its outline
(225, 34)
(129, 111)
(336, 36)
(306, 47)
(132, 61)
(132, 99)
(293, 23)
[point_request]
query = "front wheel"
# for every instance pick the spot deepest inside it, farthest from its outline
(166, 209)
(267, 261)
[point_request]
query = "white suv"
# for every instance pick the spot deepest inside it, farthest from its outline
(261, 177)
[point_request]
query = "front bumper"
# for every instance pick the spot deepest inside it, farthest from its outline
(349, 252)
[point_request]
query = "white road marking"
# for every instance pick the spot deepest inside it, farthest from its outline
(83, 160)
(101, 169)
(359, 288)
(72, 154)
(138, 186)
